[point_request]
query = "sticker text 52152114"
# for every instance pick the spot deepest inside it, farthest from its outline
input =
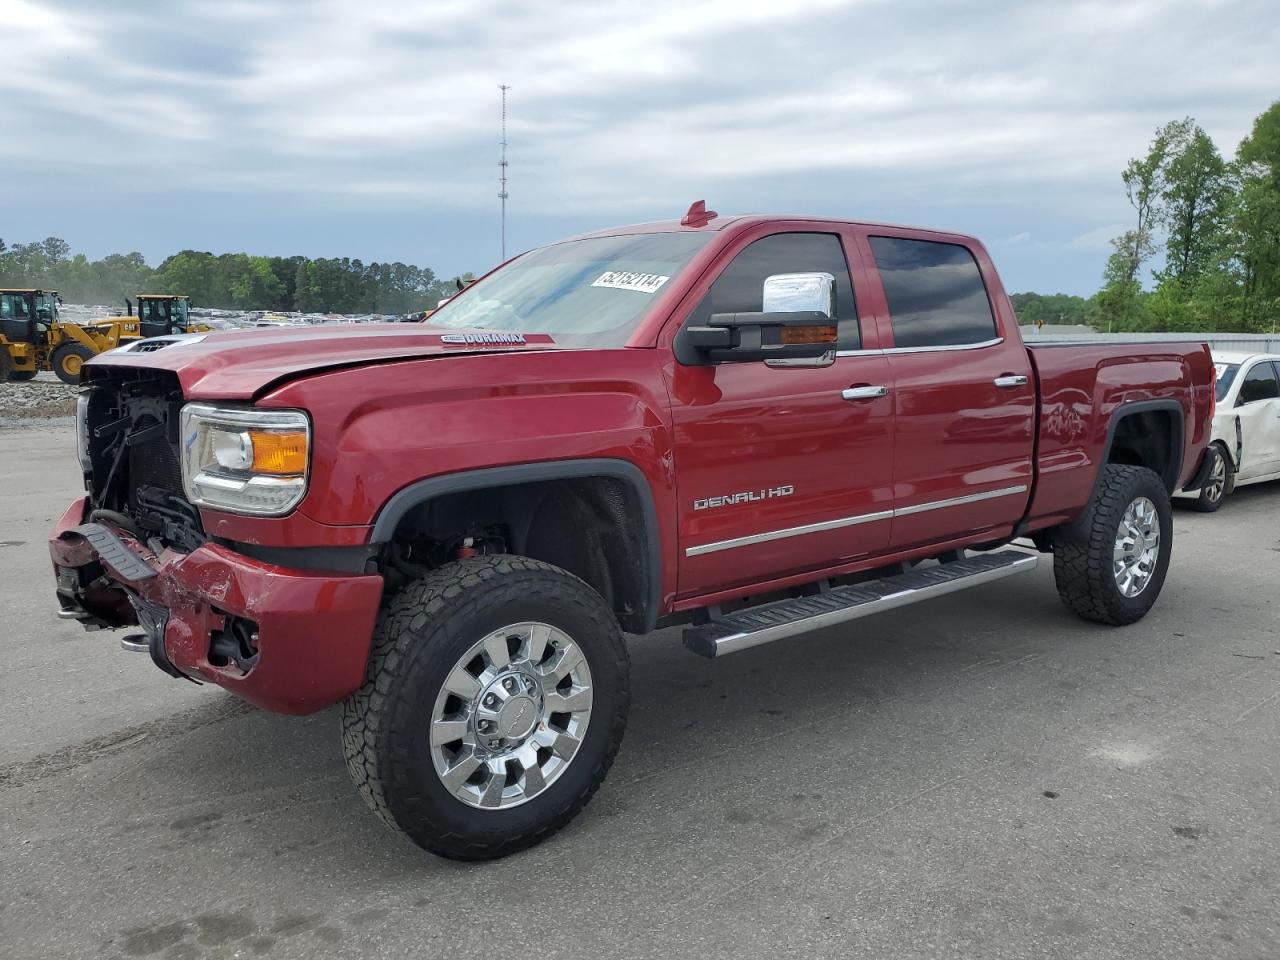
(623, 280)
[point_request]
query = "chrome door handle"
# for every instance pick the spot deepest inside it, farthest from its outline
(863, 393)
(1013, 380)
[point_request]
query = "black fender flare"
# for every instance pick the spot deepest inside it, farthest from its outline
(422, 491)
(1174, 468)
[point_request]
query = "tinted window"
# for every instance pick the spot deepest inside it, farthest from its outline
(935, 293)
(1226, 373)
(740, 287)
(1259, 384)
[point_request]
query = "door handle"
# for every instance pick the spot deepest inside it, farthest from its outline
(863, 393)
(1010, 380)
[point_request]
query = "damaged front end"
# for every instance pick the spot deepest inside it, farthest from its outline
(134, 553)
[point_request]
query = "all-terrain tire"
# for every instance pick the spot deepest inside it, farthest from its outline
(6, 364)
(1082, 551)
(421, 632)
(67, 359)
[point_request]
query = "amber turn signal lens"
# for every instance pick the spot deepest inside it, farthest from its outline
(814, 334)
(277, 452)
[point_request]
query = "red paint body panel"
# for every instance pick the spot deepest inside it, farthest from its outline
(1081, 388)
(394, 404)
(314, 628)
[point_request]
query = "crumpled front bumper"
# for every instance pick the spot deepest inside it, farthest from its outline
(313, 629)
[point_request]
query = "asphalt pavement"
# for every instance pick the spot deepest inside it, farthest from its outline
(979, 776)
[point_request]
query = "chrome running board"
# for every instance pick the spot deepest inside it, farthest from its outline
(787, 618)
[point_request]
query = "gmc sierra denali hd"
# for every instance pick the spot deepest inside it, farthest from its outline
(751, 426)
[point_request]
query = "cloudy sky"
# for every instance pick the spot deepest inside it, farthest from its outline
(370, 129)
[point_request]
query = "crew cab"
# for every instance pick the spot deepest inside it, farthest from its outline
(749, 426)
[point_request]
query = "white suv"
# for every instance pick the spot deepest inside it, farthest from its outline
(1246, 427)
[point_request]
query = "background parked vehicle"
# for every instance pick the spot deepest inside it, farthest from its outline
(1246, 426)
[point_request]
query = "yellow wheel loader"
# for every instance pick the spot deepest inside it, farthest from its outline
(33, 338)
(26, 318)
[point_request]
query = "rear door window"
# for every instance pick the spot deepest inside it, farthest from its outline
(935, 293)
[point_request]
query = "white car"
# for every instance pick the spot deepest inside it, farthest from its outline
(1246, 426)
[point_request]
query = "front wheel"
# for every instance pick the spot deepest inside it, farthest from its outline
(67, 360)
(1221, 483)
(495, 700)
(1111, 563)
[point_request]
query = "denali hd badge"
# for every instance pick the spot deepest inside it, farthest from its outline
(746, 496)
(482, 338)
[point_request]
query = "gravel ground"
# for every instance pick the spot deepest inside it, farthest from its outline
(45, 396)
(981, 776)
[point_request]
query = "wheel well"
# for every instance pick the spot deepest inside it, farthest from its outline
(1226, 454)
(1149, 438)
(592, 526)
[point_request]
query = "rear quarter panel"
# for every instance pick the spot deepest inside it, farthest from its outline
(1082, 389)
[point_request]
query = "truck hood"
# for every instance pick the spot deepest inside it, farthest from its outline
(241, 364)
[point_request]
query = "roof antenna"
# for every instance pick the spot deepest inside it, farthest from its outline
(698, 215)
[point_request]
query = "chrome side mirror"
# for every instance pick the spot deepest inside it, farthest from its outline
(800, 293)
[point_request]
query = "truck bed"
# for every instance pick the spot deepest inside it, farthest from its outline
(1081, 386)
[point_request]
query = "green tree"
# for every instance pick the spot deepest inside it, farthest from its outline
(1194, 194)
(1256, 220)
(1144, 183)
(1119, 302)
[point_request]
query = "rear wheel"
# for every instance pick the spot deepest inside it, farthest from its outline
(67, 360)
(1110, 564)
(1221, 483)
(494, 703)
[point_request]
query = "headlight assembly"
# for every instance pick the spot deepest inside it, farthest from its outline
(82, 430)
(244, 459)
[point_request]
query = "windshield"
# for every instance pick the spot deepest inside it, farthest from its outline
(153, 311)
(1226, 376)
(47, 307)
(588, 293)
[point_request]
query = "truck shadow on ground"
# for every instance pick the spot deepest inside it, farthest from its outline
(730, 768)
(227, 777)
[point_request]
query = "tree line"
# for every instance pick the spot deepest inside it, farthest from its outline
(1214, 226)
(1210, 226)
(233, 281)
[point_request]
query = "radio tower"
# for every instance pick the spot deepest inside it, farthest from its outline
(502, 168)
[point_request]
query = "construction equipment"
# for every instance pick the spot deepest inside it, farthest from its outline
(33, 338)
(26, 318)
(164, 314)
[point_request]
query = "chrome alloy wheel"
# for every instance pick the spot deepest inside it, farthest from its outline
(1137, 548)
(511, 716)
(1217, 479)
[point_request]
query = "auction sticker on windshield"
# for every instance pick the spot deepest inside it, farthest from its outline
(622, 280)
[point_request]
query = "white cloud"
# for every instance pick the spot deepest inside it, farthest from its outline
(621, 109)
(1099, 238)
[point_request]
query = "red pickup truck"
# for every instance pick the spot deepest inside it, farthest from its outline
(751, 426)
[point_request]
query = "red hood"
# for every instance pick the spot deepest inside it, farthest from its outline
(238, 365)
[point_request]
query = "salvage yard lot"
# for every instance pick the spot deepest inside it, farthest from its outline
(981, 775)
